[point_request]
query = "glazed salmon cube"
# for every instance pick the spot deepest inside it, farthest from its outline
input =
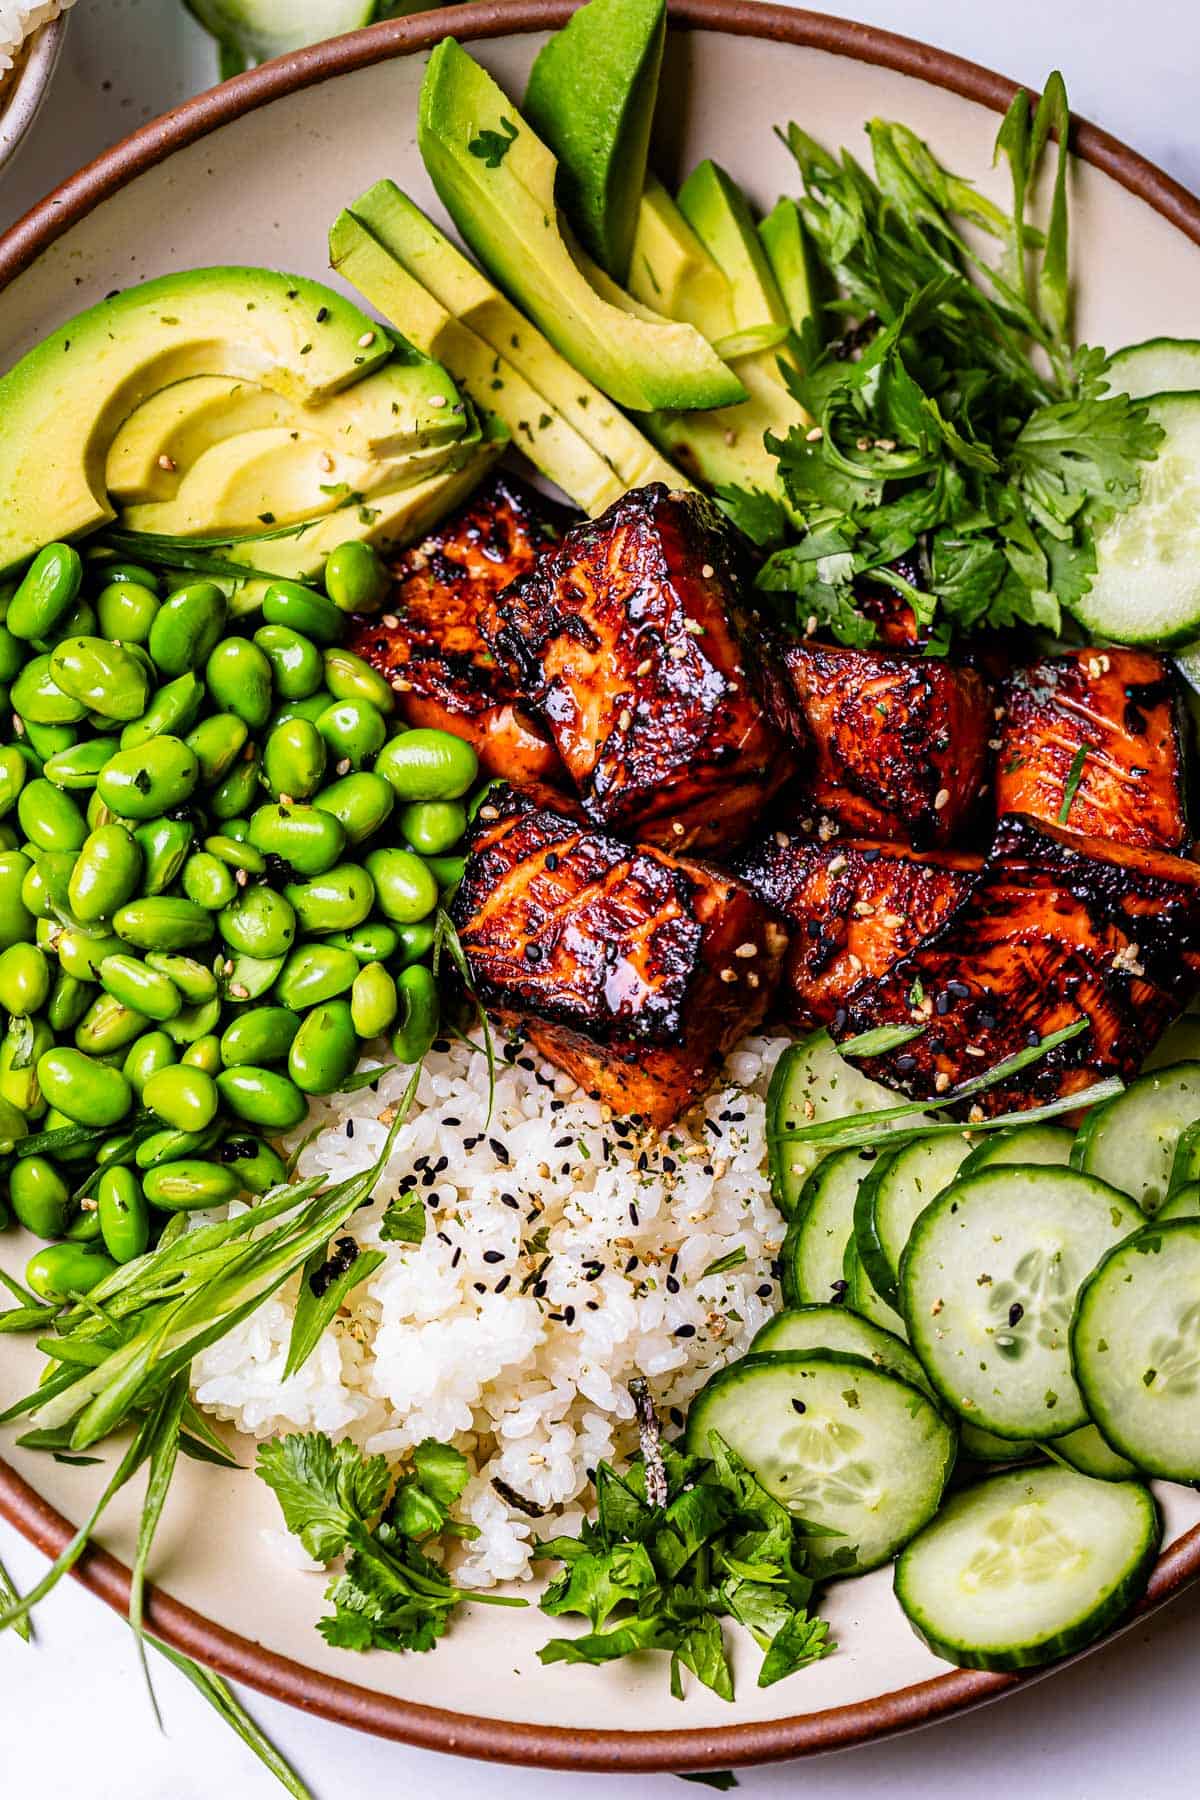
(633, 970)
(428, 641)
(851, 909)
(899, 743)
(1056, 927)
(629, 641)
(1094, 739)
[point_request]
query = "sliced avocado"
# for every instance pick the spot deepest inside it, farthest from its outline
(497, 180)
(725, 447)
(782, 236)
(412, 272)
(716, 209)
(62, 404)
(386, 521)
(591, 99)
(670, 269)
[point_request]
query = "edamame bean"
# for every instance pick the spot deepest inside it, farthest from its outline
(349, 677)
(325, 1049)
(145, 990)
(354, 730)
(373, 1000)
(173, 711)
(13, 771)
(417, 992)
(185, 1186)
(335, 901)
(12, 655)
(194, 1022)
(44, 886)
(83, 1089)
(80, 955)
(124, 1216)
(257, 1166)
(49, 817)
(310, 708)
(126, 610)
(307, 839)
(108, 1024)
(164, 922)
(98, 813)
(373, 942)
(85, 1228)
(151, 779)
(428, 765)
(66, 1153)
(433, 826)
(404, 888)
(24, 979)
(78, 768)
(196, 983)
(239, 680)
(49, 589)
(69, 1000)
(174, 1146)
(447, 871)
(262, 1097)
(355, 578)
(416, 941)
(311, 614)
(259, 922)
(40, 1197)
(315, 972)
(216, 743)
(105, 677)
(248, 977)
(237, 793)
(145, 1056)
(204, 1054)
(360, 802)
(236, 852)
(23, 1042)
(207, 881)
(164, 844)
(294, 759)
(17, 924)
(106, 874)
(61, 1270)
(296, 667)
(120, 570)
(261, 1035)
(187, 627)
(182, 1096)
(39, 700)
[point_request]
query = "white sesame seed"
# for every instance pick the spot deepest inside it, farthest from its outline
(437, 400)
(624, 719)
(728, 975)
(488, 813)
(814, 436)
(745, 950)
(365, 342)
(390, 620)
(677, 828)
(707, 571)
(941, 1081)
(810, 625)
(167, 462)
(645, 666)
(941, 799)
(343, 766)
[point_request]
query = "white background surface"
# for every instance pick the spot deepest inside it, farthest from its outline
(1125, 1724)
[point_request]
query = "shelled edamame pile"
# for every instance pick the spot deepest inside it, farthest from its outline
(221, 858)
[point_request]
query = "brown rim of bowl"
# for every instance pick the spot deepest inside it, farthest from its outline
(431, 1728)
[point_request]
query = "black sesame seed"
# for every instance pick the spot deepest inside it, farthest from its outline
(633, 1214)
(563, 1143)
(765, 1291)
(672, 1284)
(685, 1331)
(479, 1286)
(499, 1152)
(799, 1406)
(444, 1238)
(569, 1315)
(349, 1128)
(456, 1258)
(450, 1120)
(441, 1045)
(510, 1200)
(502, 1284)
(1016, 1313)
(631, 1265)
(493, 1256)
(539, 1290)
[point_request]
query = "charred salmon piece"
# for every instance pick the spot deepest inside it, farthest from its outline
(633, 970)
(851, 910)
(628, 641)
(899, 743)
(428, 642)
(1055, 928)
(1094, 739)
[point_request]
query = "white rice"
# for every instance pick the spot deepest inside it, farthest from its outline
(19, 20)
(513, 1329)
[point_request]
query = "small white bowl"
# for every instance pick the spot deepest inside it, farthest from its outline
(23, 88)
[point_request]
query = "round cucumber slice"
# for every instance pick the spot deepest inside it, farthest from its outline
(1021, 1144)
(1086, 1451)
(1184, 1203)
(815, 1246)
(836, 1328)
(1028, 1566)
(1131, 1140)
(899, 1188)
(811, 1082)
(863, 1297)
(985, 1447)
(1135, 1344)
(837, 1440)
(1146, 589)
(1161, 365)
(988, 1282)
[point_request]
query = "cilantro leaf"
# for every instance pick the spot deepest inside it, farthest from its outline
(326, 1491)
(491, 147)
(404, 1220)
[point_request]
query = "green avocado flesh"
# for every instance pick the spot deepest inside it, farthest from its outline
(497, 180)
(253, 324)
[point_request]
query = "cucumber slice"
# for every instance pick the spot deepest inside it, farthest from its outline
(835, 1439)
(260, 29)
(899, 1188)
(1180, 1042)
(836, 1328)
(1161, 365)
(1130, 1141)
(815, 1246)
(1135, 1344)
(985, 1447)
(810, 1082)
(1021, 1144)
(862, 1296)
(1184, 1203)
(1185, 1164)
(988, 1282)
(1146, 589)
(1086, 1451)
(1028, 1566)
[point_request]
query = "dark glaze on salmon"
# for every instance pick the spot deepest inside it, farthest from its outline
(629, 642)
